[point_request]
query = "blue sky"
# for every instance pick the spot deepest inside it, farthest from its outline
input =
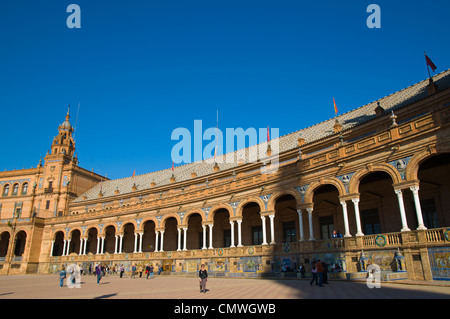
(141, 69)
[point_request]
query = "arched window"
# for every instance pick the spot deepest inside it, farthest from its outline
(24, 188)
(15, 189)
(6, 190)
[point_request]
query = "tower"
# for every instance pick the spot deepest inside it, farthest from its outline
(63, 145)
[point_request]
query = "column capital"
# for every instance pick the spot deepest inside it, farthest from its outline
(347, 197)
(406, 184)
(158, 229)
(305, 206)
(207, 223)
(268, 213)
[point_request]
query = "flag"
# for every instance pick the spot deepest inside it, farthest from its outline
(430, 63)
(335, 107)
(268, 134)
(134, 173)
(173, 163)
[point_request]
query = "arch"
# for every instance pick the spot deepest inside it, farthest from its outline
(244, 202)
(192, 211)
(75, 229)
(5, 191)
(323, 181)
(275, 196)
(166, 217)
(92, 227)
(103, 232)
(5, 237)
(58, 244)
(146, 220)
(20, 243)
(412, 169)
(15, 189)
(24, 190)
(359, 174)
(215, 208)
(55, 233)
(125, 223)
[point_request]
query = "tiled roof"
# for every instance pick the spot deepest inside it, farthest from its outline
(287, 142)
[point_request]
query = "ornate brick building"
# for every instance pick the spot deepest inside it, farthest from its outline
(377, 174)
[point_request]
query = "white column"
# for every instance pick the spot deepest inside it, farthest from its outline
(115, 246)
(272, 229)
(98, 245)
(102, 251)
(358, 219)
(402, 209)
(135, 242)
(51, 248)
(210, 236)
(263, 218)
(121, 244)
(185, 238)
(162, 240)
(415, 191)
(344, 212)
(140, 241)
(232, 233)
(85, 244)
(64, 247)
(239, 222)
(81, 246)
(311, 233)
(300, 224)
(204, 236)
(156, 240)
(68, 247)
(179, 239)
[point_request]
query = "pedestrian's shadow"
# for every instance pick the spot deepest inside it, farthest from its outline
(105, 296)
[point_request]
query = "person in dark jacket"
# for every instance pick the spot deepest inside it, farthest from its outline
(203, 277)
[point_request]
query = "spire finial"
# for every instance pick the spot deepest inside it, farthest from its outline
(68, 113)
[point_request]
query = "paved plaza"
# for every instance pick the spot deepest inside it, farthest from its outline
(172, 287)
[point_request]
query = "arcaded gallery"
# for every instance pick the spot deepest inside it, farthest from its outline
(368, 187)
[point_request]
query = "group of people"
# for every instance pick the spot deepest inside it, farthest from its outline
(319, 270)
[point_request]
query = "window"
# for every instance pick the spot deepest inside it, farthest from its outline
(289, 232)
(370, 221)
(257, 237)
(47, 205)
(6, 190)
(15, 189)
(18, 212)
(24, 188)
(326, 226)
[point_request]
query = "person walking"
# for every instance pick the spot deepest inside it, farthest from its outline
(203, 278)
(314, 273)
(151, 271)
(141, 270)
(302, 270)
(133, 271)
(320, 272)
(121, 270)
(62, 276)
(325, 272)
(98, 272)
(147, 270)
